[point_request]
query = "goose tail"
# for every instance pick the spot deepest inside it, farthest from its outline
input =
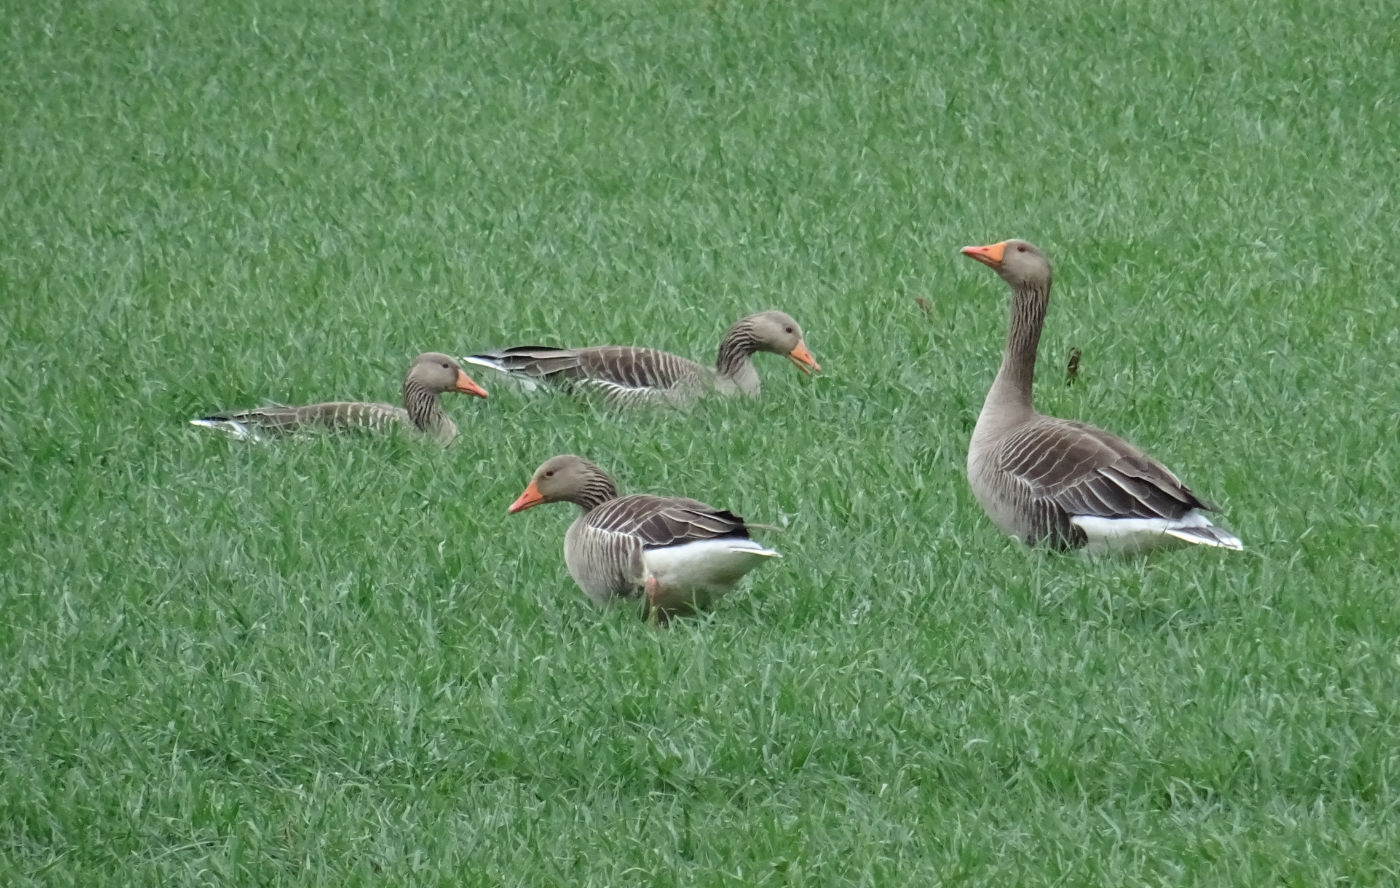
(1207, 535)
(231, 427)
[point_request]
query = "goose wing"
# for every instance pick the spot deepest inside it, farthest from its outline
(1083, 470)
(659, 521)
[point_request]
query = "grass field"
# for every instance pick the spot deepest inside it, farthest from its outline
(338, 662)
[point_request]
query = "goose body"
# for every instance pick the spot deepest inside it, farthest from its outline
(1063, 483)
(428, 376)
(678, 554)
(627, 376)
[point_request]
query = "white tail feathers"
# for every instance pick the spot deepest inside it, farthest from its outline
(484, 361)
(1124, 536)
(496, 363)
(236, 429)
(1210, 535)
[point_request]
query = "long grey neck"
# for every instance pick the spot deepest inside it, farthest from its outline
(1010, 395)
(597, 489)
(423, 406)
(734, 365)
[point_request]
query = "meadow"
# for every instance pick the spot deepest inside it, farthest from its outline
(337, 661)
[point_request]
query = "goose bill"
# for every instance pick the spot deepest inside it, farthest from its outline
(467, 386)
(531, 497)
(989, 255)
(804, 360)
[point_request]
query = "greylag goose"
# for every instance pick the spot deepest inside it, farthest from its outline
(678, 553)
(1059, 482)
(428, 376)
(629, 375)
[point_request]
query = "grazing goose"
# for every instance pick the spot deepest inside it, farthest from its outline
(629, 375)
(1059, 482)
(428, 376)
(679, 553)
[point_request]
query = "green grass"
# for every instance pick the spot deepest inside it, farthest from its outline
(338, 662)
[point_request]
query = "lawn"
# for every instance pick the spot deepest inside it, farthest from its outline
(337, 661)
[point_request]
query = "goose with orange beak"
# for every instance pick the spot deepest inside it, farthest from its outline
(430, 375)
(1060, 483)
(628, 376)
(675, 554)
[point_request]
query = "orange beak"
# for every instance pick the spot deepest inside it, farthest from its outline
(531, 497)
(803, 359)
(467, 386)
(989, 256)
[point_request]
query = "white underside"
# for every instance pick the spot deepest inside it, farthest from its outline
(229, 427)
(1126, 536)
(702, 571)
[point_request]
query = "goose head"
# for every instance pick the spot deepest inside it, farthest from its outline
(565, 478)
(438, 373)
(777, 332)
(1019, 263)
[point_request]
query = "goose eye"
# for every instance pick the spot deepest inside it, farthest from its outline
(1020, 248)
(446, 366)
(787, 329)
(549, 474)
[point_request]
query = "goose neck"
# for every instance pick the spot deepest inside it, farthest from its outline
(1011, 391)
(734, 364)
(424, 409)
(596, 488)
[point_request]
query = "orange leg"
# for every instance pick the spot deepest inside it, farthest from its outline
(653, 609)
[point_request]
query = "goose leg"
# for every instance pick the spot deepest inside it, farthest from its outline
(654, 611)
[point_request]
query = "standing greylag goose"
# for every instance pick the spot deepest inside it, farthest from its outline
(1059, 482)
(629, 375)
(429, 375)
(679, 553)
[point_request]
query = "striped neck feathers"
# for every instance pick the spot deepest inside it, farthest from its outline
(596, 488)
(423, 406)
(1011, 390)
(734, 365)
